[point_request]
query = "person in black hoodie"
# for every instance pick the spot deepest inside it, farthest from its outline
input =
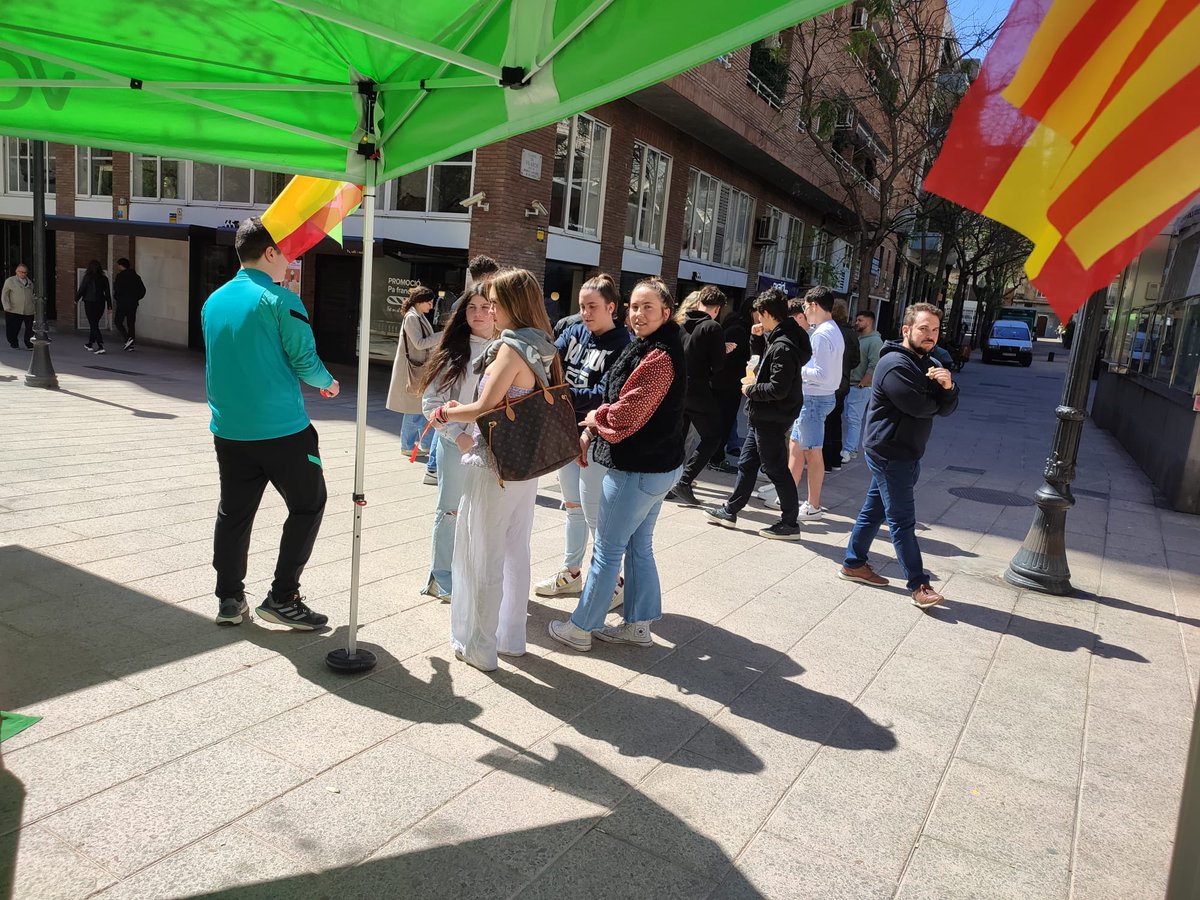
(773, 401)
(127, 289)
(96, 296)
(908, 390)
(850, 358)
(704, 351)
(727, 386)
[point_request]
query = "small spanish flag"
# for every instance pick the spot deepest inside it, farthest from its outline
(1082, 132)
(307, 210)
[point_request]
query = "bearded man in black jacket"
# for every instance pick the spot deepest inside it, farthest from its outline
(773, 400)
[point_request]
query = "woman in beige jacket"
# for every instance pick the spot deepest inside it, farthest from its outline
(417, 340)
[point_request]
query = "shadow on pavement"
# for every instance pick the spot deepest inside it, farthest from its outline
(139, 413)
(1051, 635)
(1114, 603)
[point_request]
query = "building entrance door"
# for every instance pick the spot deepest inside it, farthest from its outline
(335, 318)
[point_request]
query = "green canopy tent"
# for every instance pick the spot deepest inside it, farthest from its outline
(345, 89)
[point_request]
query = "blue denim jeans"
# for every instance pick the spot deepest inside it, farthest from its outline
(432, 465)
(856, 411)
(450, 488)
(629, 508)
(809, 429)
(410, 431)
(890, 498)
(583, 488)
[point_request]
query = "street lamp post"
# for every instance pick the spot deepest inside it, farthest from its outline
(1041, 563)
(41, 369)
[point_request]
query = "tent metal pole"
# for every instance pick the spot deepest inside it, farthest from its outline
(353, 658)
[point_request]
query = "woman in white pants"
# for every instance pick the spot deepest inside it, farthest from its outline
(452, 376)
(490, 571)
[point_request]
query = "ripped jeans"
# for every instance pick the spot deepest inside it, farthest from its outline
(581, 491)
(451, 476)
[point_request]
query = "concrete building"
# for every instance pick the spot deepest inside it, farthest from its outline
(702, 179)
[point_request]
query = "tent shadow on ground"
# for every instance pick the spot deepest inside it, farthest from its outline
(65, 602)
(1127, 606)
(1051, 635)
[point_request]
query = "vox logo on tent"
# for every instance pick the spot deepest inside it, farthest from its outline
(17, 96)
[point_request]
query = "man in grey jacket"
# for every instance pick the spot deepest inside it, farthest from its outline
(17, 299)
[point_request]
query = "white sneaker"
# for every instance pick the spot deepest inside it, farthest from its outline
(772, 502)
(847, 456)
(100, 350)
(129, 344)
(572, 635)
(618, 596)
(766, 492)
(810, 512)
(430, 477)
(561, 582)
(637, 633)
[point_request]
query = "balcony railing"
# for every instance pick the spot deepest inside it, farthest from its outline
(858, 176)
(757, 85)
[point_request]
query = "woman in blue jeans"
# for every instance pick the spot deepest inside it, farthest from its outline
(452, 376)
(637, 435)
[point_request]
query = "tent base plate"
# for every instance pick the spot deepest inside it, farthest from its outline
(344, 661)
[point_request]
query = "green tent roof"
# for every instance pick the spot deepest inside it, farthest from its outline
(278, 84)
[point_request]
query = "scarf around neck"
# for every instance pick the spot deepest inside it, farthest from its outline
(534, 346)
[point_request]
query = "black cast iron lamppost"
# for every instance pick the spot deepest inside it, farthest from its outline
(41, 369)
(1041, 563)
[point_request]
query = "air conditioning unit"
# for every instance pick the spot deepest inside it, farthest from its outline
(766, 230)
(845, 117)
(859, 18)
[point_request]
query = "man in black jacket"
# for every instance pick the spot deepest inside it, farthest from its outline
(704, 353)
(127, 290)
(850, 358)
(908, 390)
(773, 400)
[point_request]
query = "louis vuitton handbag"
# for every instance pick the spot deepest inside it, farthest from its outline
(532, 435)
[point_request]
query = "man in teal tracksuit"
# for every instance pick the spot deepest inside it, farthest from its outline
(259, 347)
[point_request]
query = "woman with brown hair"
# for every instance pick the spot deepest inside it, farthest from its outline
(417, 340)
(638, 435)
(490, 571)
(96, 296)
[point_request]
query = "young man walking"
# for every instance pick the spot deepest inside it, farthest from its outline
(773, 400)
(869, 346)
(704, 357)
(822, 374)
(128, 289)
(908, 391)
(259, 347)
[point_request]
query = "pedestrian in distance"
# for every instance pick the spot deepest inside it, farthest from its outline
(832, 451)
(704, 355)
(774, 396)
(128, 290)
(259, 346)
(490, 570)
(16, 297)
(822, 375)
(870, 343)
(638, 436)
(417, 341)
(588, 349)
(908, 390)
(96, 295)
(452, 375)
(727, 385)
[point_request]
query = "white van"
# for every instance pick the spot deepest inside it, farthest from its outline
(1010, 339)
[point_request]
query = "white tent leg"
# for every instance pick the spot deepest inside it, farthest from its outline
(354, 659)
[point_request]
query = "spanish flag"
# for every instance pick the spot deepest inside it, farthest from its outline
(1082, 132)
(307, 210)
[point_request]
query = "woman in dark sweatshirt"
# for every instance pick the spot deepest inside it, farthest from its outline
(588, 348)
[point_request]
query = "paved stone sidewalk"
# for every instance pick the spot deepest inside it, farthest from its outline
(789, 735)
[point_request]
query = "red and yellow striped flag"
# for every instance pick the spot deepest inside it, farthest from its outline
(307, 210)
(1082, 132)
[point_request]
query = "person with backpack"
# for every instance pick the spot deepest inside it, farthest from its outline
(128, 290)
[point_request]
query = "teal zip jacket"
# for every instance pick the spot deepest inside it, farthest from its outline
(259, 348)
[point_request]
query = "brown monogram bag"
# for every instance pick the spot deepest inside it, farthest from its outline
(532, 435)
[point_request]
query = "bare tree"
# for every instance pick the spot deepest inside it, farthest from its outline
(871, 87)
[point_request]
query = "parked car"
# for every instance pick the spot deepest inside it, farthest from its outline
(1010, 339)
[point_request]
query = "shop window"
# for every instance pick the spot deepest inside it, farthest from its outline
(439, 188)
(649, 179)
(93, 172)
(716, 221)
(18, 156)
(1186, 347)
(156, 178)
(580, 159)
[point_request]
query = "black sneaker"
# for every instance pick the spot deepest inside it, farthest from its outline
(232, 611)
(292, 612)
(719, 515)
(781, 531)
(724, 466)
(683, 494)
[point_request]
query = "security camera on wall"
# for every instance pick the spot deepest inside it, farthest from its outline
(479, 200)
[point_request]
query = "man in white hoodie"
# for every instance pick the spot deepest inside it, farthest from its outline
(821, 376)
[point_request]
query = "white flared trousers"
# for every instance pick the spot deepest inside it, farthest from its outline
(490, 572)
